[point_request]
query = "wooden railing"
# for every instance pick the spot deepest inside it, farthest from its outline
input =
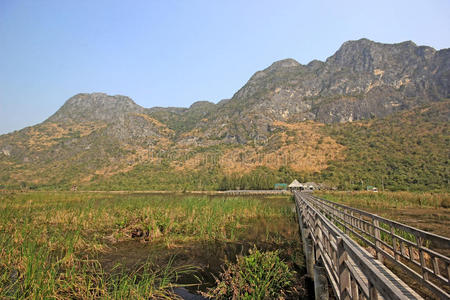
(337, 233)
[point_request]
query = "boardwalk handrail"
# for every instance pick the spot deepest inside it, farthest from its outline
(416, 252)
(437, 240)
(353, 273)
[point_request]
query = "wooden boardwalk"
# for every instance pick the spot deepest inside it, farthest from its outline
(332, 236)
(256, 192)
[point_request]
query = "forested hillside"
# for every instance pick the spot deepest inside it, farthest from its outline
(405, 151)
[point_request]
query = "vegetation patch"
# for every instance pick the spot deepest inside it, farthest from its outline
(405, 151)
(259, 275)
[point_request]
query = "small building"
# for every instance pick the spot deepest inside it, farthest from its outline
(295, 185)
(372, 188)
(280, 186)
(311, 186)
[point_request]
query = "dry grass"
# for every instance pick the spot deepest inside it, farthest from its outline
(162, 127)
(303, 149)
(50, 242)
(48, 134)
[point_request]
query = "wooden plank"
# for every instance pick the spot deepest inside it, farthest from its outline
(385, 282)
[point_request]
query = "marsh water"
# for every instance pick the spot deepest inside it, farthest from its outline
(206, 255)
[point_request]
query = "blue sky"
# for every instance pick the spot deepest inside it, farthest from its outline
(173, 53)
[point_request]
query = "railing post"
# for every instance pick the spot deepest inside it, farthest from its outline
(318, 237)
(355, 289)
(343, 272)
(309, 255)
(376, 226)
(320, 281)
(373, 293)
(422, 258)
(303, 233)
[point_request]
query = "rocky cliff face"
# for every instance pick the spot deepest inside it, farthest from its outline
(362, 80)
(121, 116)
(95, 107)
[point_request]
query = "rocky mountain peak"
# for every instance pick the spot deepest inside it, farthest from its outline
(281, 66)
(363, 79)
(95, 107)
(201, 105)
(285, 63)
(358, 55)
(365, 55)
(315, 64)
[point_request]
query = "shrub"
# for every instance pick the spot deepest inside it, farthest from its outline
(445, 203)
(260, 275)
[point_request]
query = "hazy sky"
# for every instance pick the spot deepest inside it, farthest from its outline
(173, 53)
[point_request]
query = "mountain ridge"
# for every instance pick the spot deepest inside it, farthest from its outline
(317, 79)
(282, 111)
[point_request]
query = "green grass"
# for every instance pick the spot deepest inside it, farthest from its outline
(260, 275)
(50, 242)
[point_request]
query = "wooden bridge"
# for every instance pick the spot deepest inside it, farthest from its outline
(256, 192)
(350, 249)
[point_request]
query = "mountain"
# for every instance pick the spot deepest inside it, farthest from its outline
(289, 120)
(363, 79)
(95, 107)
